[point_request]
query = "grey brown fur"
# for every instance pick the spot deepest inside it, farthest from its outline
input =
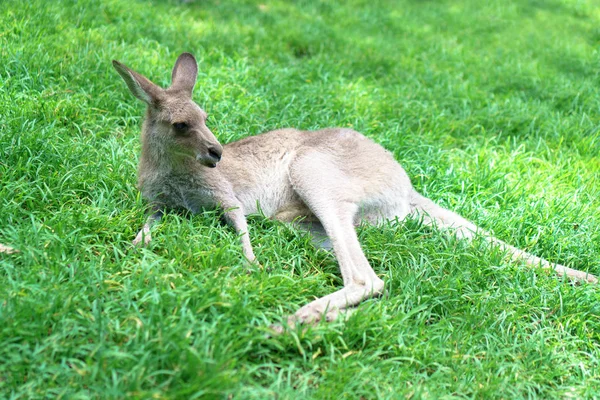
(336, 177)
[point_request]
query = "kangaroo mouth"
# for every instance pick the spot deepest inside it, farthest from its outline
(207, 160)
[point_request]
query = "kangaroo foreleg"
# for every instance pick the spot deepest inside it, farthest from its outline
(144, 236)
(235, 217)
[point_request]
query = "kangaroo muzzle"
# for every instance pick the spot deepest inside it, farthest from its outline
(211, 157)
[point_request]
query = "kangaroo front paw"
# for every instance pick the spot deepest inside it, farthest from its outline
(142, 239)
(252, 264)
(255, 266)
(7, 249)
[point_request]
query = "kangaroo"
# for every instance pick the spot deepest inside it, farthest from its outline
(336, 178)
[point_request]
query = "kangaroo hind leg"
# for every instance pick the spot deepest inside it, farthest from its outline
(334, 200)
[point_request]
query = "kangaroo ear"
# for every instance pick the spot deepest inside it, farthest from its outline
(140, 86)
(185, 73)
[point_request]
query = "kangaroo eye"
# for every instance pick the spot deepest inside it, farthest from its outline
(180, 127)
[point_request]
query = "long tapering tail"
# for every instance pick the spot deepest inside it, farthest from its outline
(432, 214)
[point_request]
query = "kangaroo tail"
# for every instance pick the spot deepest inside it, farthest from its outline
(433, 214)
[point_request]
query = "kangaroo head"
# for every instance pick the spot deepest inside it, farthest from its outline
(175, 126)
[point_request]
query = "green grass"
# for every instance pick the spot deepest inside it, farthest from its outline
(492, 107)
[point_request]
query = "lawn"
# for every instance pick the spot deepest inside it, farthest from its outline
(493, 108)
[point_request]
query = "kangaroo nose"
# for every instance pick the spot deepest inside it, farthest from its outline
(215, 153)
